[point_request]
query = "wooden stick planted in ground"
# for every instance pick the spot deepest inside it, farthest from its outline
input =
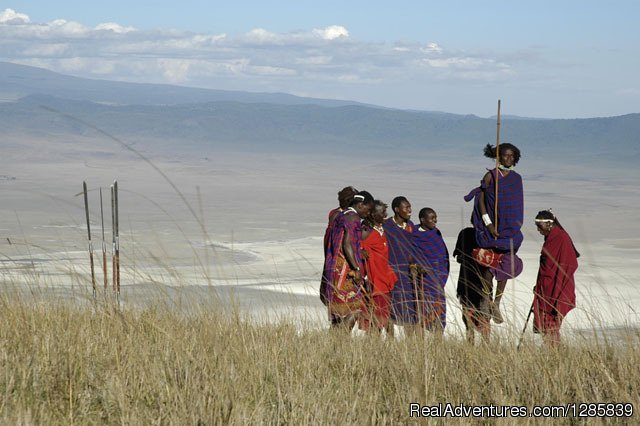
(86, 210)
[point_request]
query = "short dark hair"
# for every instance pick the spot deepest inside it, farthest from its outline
(397, 201)
(362, 197)
(490, 151)
(345, 196)
(546, 215)
(425, 211)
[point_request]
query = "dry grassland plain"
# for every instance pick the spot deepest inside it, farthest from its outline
(220, 322)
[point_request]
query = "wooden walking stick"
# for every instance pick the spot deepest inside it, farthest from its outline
(495, 204)
(524, 329)
(104, 246)
(413, 270)
(115, 190)
(115, 239)
(86, 210)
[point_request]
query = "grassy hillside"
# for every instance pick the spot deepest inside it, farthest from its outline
(65, 364)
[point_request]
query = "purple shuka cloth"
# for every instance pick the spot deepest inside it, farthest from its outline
(341, 226)
(401, 252)
(504, 270)
(434, 258)
(510, 212)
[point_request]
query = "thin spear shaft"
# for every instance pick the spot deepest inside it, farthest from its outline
(419, 308)
(495, 206)
(524, 329)
(104, 245)
(113, 240)
(117, 234)
(86, 210)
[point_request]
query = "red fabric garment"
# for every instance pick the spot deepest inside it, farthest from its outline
(380, 275)
(487, 257)
(555, 293)
(378, 312)
(547, 323)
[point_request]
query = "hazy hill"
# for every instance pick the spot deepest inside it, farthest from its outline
(17, 81)
(167, 118)
(309, 128)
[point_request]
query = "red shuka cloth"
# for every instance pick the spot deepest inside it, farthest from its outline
(555, 291)
(380, 274)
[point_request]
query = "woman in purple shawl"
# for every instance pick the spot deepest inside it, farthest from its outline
(433, 263)
(500, 245)
(402, 252)
(344, 265)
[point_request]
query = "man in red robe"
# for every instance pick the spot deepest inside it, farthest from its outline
(380, 276)
(554, 294)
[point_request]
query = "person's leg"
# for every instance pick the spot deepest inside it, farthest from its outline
(487, 291)
(390, 329)
(349, 322)
(551, 336)
(495, 313)
(334, 320)
(366, 319)
(382, 310)
(484, 327)
(468, 325)
(482, 321)
(435, 317)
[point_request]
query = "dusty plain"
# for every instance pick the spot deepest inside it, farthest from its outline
(247, 226)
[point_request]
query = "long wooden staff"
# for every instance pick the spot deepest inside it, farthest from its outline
(104, 246)
(117, 237)
(524, 329)
(413, 271)
(495, 205)
(86, 210)
(113, 241)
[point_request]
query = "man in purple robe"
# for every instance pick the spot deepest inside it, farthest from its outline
(433, 270)
(498, 242)
(402, 253)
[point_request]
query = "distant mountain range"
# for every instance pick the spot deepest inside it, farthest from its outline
(18, 81)
(44, 103)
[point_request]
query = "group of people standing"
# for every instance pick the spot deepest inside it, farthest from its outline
(381, 271)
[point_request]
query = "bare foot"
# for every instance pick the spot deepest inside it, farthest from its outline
(496, 314)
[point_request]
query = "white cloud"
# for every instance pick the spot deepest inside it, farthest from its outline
(61, 27)
(175, 70)
(260, 35)
(314, 60)
(52, 50)
(333, 32)
(114, 27)
(252, 60)
(11, 17)
(433, 48)
(455, 62)
(269, 70)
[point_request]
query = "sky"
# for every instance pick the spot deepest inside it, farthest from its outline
(556, 59)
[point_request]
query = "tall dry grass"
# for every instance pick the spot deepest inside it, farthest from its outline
(70, 363)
